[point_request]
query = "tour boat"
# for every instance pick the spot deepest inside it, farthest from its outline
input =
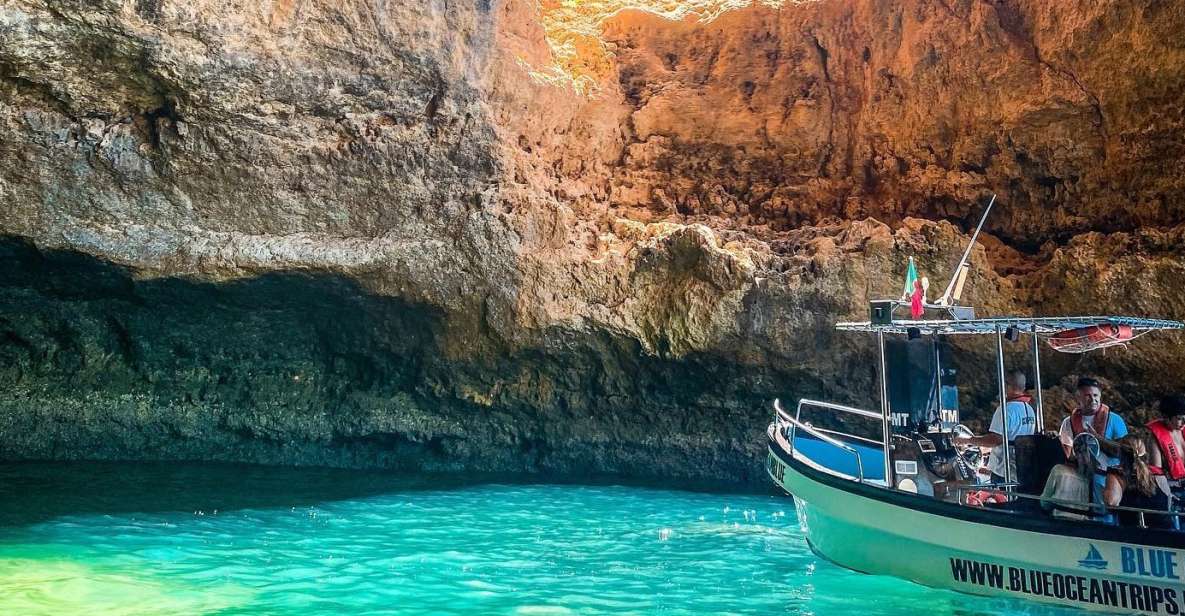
(896, 497)
(917, 524)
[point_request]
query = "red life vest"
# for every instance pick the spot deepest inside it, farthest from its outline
(1173, 462)
(1098, 422)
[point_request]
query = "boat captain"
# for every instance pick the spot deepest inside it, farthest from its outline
(1022, 421)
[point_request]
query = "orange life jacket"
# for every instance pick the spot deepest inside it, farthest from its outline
(1173, 462)
(1098, 422)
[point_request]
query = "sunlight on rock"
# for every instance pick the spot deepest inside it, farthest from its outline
(573, 30)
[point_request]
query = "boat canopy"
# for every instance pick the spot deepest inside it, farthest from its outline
(1027, 325)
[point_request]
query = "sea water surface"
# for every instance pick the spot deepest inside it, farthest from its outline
(87, 538)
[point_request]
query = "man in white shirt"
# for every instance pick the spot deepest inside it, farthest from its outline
(1022, 421)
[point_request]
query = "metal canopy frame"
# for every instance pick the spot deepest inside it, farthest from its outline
(1033, 326)
(1037, 325)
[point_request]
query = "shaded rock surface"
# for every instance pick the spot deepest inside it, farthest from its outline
(553, 238)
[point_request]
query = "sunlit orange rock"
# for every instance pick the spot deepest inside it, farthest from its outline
(558, 236)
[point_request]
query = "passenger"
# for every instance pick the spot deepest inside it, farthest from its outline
(1138, 486)
(1072, 482)
(1094, 418)
(1167, 458)
(1022, 421)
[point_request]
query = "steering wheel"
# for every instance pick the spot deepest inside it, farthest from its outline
(971, 454)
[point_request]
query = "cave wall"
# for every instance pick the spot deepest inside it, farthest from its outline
(785, 115)
(553, 238)
(291, 368)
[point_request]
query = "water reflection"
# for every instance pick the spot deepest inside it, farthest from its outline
(134, 538)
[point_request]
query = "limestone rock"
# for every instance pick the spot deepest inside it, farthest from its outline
(552, 237)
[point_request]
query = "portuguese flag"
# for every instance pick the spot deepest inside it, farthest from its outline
(911, 276)
(913, 291)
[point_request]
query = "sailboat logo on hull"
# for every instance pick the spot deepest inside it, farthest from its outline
(1093, 559)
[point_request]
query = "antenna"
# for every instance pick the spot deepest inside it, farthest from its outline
(960, 274)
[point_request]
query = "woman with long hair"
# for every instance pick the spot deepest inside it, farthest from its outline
(1069, 491)
(1134, 484)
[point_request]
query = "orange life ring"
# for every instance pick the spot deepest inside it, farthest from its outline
(1089, 338)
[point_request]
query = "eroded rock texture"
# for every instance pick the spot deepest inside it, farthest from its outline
(569, 238)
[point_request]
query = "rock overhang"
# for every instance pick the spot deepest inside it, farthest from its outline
(741, 176)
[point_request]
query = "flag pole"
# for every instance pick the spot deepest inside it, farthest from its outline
(945, 299)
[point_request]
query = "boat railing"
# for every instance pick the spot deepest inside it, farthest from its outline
(835, 407)
(818, 404)
(782, 418)
(788, 425)
(1091, 509)
(846, 435)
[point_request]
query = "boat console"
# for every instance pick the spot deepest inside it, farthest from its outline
(922, 388)
(931, 465)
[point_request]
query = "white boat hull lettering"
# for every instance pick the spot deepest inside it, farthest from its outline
(879, 537)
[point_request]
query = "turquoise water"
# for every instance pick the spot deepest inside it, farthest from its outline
(154, 539)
